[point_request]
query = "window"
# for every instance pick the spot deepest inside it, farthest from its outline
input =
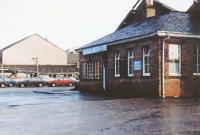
(91, 70)
(146, 61)
(117, 64)
(97, 70)
(174, 59)
(130, 63)
(84, 70)
(88, 73)
(196, 59)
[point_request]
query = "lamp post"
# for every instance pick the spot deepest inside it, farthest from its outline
(37, 65)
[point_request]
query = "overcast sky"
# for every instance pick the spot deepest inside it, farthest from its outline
(67, 23)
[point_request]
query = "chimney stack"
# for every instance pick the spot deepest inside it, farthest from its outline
(196, 1)
(149, 3)
(150, 10)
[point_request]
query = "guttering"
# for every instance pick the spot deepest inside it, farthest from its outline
(177, 34)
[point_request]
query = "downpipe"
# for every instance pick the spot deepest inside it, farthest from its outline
(163, 64)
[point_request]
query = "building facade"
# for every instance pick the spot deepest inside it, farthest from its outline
(157, 56)
(35, 54)
(72, 57)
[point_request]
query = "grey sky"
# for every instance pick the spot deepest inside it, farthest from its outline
(67, 23)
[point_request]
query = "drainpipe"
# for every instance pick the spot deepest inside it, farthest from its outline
(163, 65)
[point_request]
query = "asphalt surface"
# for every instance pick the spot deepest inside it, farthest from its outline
(61, 111)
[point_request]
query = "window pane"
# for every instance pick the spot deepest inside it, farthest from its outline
(146, 50)
(198, 59)
(117, 70)
(130, 53)
(130, 62)
(195, 59)
(177, 68)
(171, 67)
(173, 52)
(117, 62)
(147, 69)
(198, 70)
(145, 60)
(174, 59)
(195, 68)
(148, 60)
(131, 66)
(195, 49)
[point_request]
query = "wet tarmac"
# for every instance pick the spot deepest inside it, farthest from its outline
(60, 111)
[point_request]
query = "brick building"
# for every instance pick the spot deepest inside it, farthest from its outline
(156, 54)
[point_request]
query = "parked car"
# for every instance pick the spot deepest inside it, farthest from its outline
(9, 82)
(23, 82)
(75, 81)
(2, 83)
(62, 81)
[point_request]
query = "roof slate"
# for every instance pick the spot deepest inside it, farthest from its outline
(180, 22)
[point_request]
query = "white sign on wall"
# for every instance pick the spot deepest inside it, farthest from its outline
(95, 49)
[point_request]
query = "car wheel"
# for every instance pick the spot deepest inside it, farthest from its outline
(22, 85)
(53, 85)
(40, 85)
(10, 85)
(2, 85)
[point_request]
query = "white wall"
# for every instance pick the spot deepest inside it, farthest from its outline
(34, 46)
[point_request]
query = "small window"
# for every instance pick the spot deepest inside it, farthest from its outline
(146, 61)
(174, 59)
(117, 64)
(196, 59)
(130, 63)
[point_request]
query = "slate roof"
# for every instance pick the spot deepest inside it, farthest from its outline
(180, 22)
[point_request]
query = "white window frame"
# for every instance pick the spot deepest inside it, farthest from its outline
(179, 49)
(197, 64)
(144, 55)
(129, 59)
(117, 58)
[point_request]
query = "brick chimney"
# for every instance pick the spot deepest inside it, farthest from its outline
(150, 10)
(196, 1)
(195, 7)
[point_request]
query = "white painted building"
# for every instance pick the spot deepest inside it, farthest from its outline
(23, 55)
(22, 52)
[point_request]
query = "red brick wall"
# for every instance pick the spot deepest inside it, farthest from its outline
(186, 84)
(175, 86)
(138, 85)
